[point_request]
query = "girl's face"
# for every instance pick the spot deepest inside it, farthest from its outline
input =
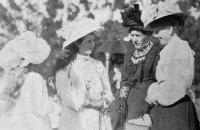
(87, 45)
(163, 34)
(138, 39)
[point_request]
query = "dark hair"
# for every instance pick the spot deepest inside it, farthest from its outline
(176, 21)
(142, 30)
(67, 55)
(117, 59)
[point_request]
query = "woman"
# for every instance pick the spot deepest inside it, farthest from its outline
(174, 73)
(82, 82)
(23, 95)
(138, 72)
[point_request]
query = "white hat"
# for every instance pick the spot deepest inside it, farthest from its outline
(33, 49)
(155, 12)
(76, 30)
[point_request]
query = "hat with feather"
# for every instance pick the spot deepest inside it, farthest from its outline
(132, 18)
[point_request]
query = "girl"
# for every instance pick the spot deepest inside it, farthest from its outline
(24, 98)
(82, 82)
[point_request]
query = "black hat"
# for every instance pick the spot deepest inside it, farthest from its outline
(132, 18)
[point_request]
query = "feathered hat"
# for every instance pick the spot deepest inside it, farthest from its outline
(132, 18)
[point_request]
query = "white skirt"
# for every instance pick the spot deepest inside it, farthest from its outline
(27, 121)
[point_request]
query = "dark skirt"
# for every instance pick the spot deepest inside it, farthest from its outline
(137, 106)
(179, 116)
(118, 112)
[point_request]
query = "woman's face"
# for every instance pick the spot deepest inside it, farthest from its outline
(87, 45)
(138, 39)
(163, 34)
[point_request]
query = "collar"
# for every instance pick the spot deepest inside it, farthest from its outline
(141, 53)
(82, 57)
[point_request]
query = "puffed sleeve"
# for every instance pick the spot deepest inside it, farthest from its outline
(69, 89)
(174, 76)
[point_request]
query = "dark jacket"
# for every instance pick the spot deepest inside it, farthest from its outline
(138, 77)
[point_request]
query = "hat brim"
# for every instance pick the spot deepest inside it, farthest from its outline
(150, 24)
(81, 35)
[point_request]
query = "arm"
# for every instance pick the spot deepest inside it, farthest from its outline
(126, 81)
(173, 77)
(72, 95)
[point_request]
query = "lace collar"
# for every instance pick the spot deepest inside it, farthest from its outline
(82, 57)
(139, 55)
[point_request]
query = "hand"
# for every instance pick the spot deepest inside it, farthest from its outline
(123, 92)
(117, 76)
(152, 94)
(51, 82)
(151, 101)
(103, 110)
(97, 103)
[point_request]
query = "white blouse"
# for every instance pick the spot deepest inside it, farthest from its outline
(174, 72)
(84, 75)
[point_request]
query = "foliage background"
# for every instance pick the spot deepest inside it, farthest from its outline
(45, 17)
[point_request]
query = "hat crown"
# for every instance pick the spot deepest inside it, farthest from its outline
(156, 11)
(75, 30)
(132, 16)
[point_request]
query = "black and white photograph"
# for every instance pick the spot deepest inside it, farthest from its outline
(99, 64)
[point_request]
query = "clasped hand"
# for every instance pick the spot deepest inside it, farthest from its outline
(101, 105)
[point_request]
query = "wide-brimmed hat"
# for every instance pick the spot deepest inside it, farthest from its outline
(155, 12)
(76, 30)
(26, 46)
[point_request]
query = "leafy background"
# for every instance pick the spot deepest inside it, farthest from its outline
(45, 17)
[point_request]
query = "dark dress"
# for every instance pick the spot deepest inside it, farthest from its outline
(138, 77)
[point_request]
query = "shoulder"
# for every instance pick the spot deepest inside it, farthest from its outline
(179, 49)
(97, 62)
(34, 76)
(33, 79)
(69, 73)
(63, 73)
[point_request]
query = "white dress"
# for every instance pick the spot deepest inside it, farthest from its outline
(83, 75)
(30, 110)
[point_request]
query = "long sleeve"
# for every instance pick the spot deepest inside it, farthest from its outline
(128, 78)
(68, 89)
(174, 75)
